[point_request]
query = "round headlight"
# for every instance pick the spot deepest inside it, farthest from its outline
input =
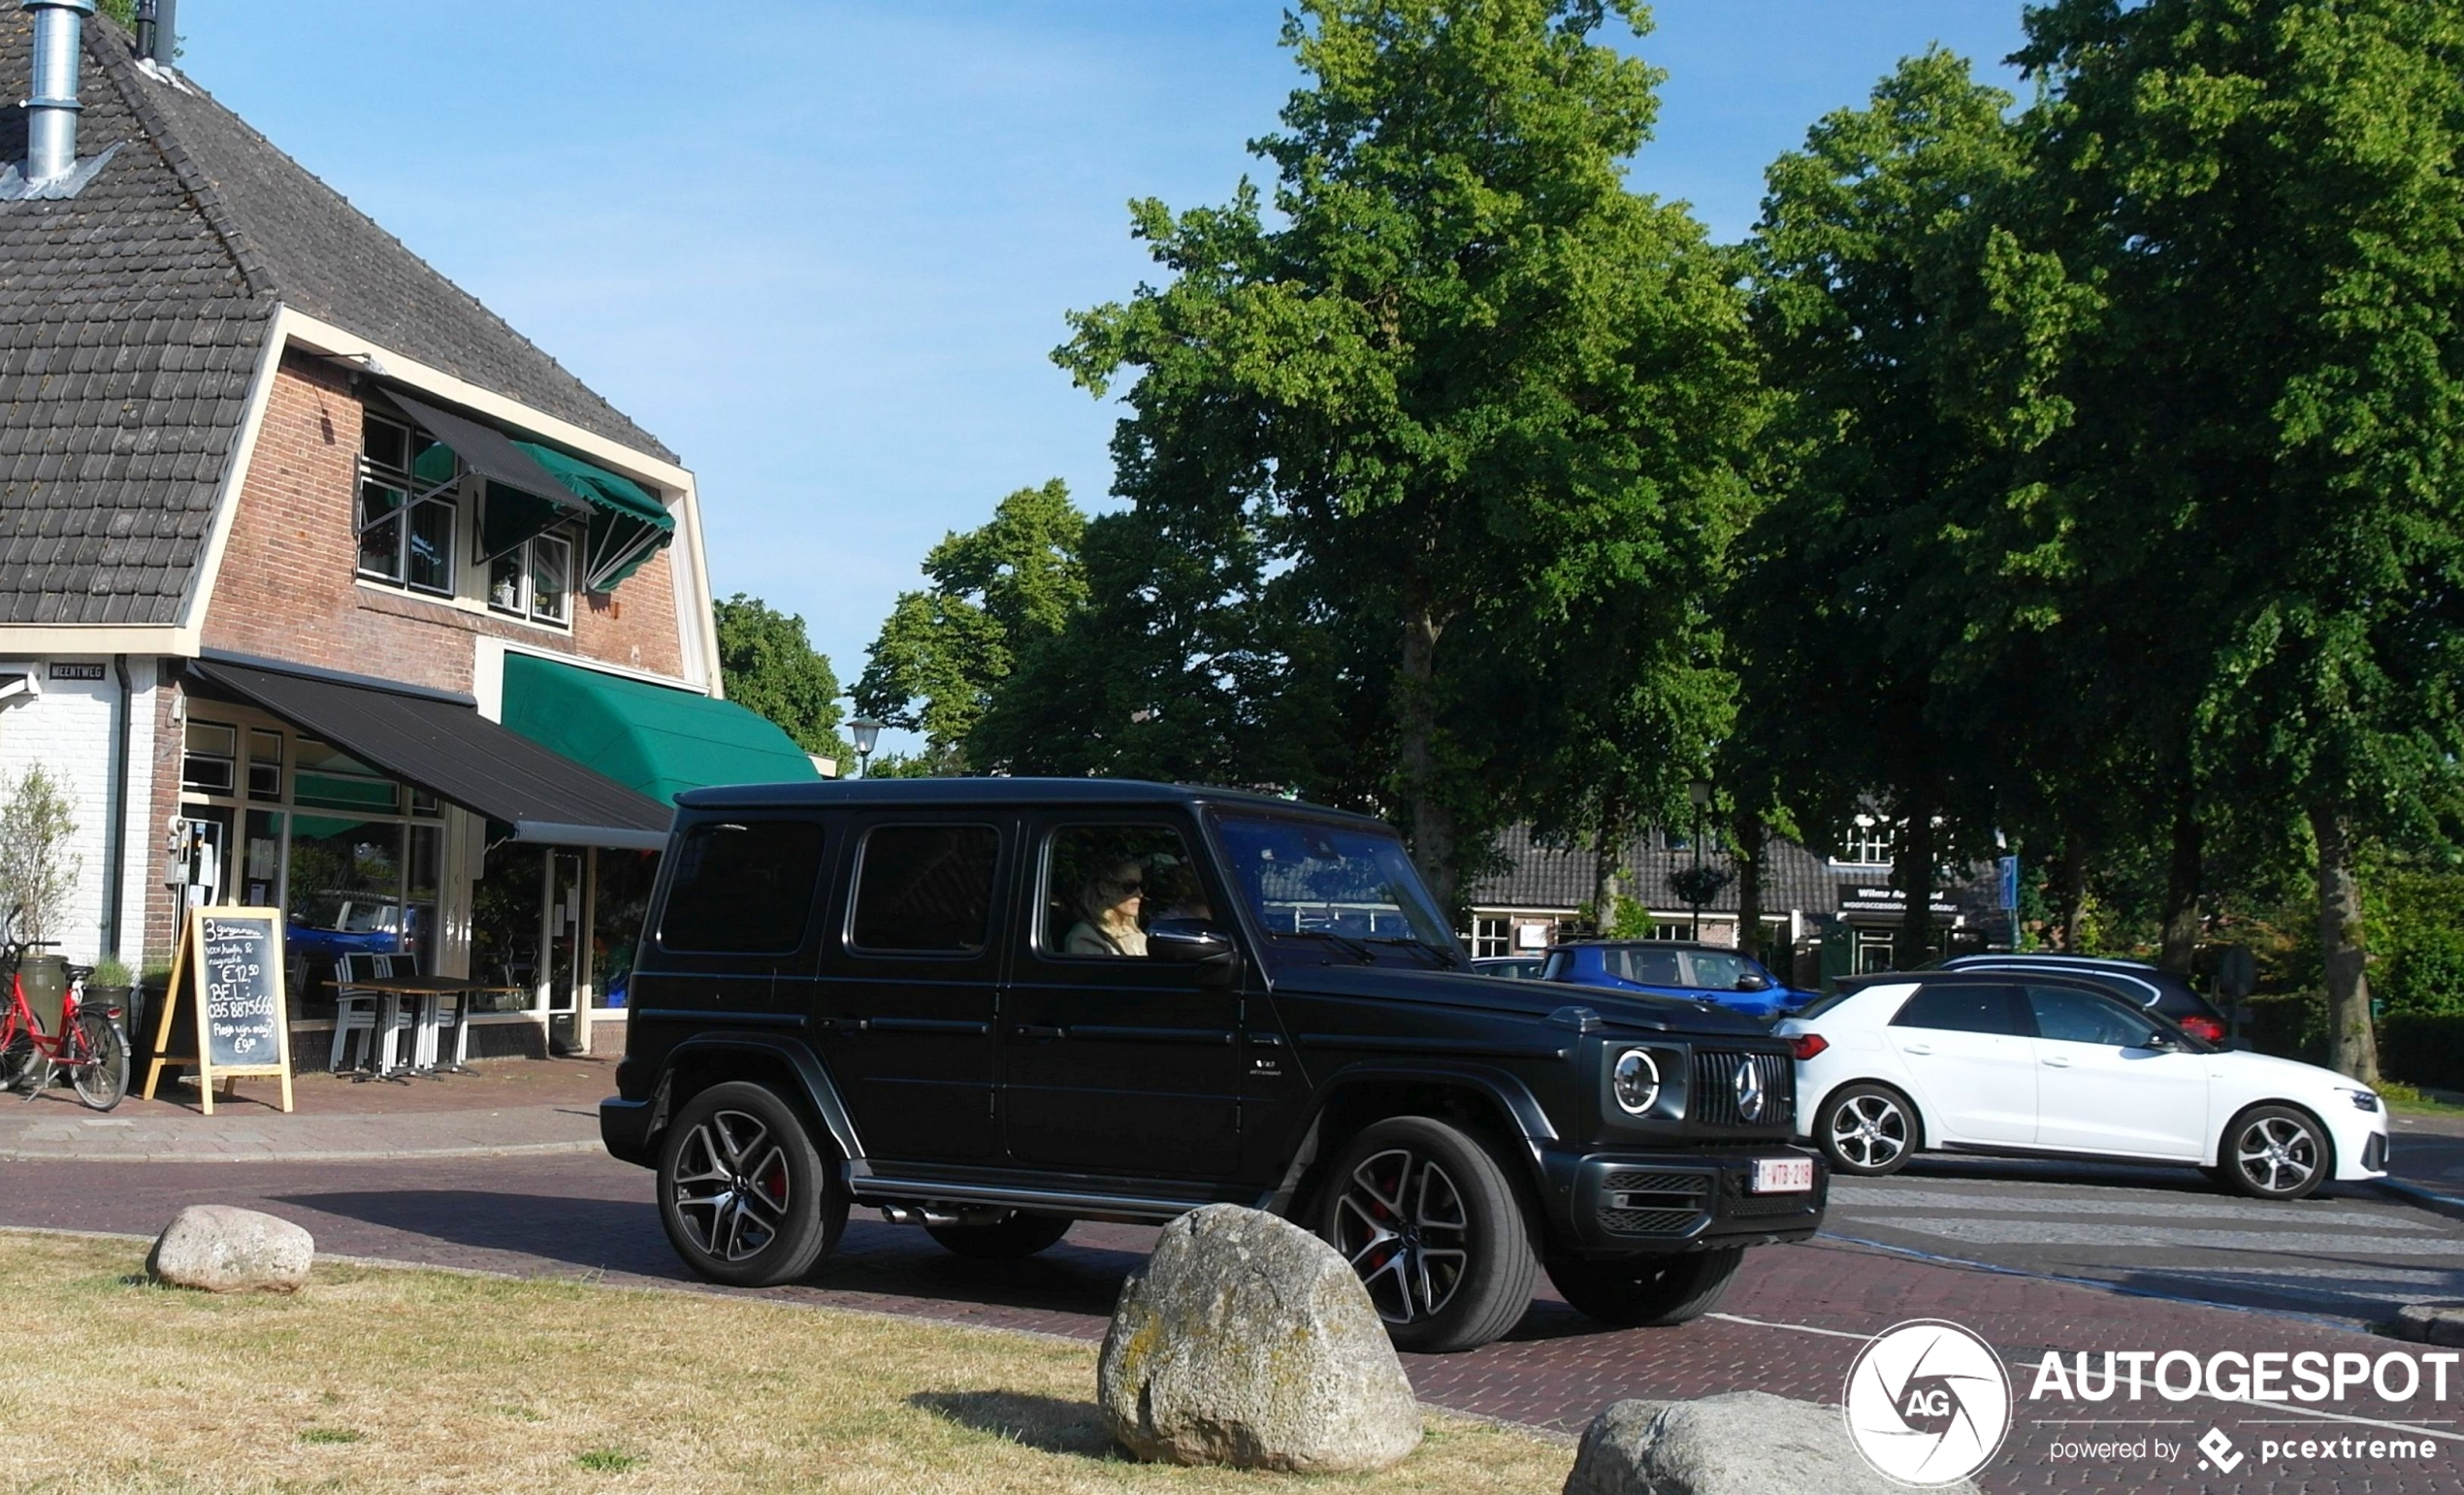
(1634, 1081)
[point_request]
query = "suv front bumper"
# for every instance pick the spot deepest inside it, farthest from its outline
(1683, 1201)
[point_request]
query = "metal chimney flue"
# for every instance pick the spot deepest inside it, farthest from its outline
(158, 30)
(50, 114)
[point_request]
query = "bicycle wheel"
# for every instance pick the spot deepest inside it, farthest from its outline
(21, 1062)
(101, 1071)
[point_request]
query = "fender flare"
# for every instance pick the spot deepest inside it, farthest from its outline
(1501, 1087)
(820, 1091)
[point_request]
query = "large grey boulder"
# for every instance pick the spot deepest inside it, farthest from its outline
(220, 1248)
(1246, 1341)
(1742, 1443)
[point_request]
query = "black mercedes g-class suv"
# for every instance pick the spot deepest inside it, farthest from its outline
(992, 1006)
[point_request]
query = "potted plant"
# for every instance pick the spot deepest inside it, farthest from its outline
(37, 877)
(109, 986)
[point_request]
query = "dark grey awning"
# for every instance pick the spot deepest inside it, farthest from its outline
(455, 751)
(491, 454)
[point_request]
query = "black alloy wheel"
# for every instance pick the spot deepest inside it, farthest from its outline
(1020, 1234)
(1868, 1130)
(1433, 1227)
(744, 1194)
(100, 1074)
(1646, 1292)
(2275, 1153)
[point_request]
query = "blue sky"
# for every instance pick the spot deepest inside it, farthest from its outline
(824, 248)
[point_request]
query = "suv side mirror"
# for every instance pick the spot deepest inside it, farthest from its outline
(1194, 942)
(1750, 982)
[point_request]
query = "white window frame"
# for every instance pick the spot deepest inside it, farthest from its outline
(444, 497)
(1492, 938)
(525, 604)
(1867, 843)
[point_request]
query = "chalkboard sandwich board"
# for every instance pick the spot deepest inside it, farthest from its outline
(226, 977)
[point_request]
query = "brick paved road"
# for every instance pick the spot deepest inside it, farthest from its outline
(1792, 1325)
(2349, 1254)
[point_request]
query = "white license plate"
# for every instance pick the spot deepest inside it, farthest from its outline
(1783, 1176)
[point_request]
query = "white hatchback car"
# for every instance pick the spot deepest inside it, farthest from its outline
(2006, 1062)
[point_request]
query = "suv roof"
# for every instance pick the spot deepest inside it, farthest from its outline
(1000, 792)
(1647, 944)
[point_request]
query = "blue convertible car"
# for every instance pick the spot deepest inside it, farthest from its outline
(1703, 973)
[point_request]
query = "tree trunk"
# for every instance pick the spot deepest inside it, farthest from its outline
(2352, 1045)
(2071, 890)
(1913, 874)
(1433, 831)
(2182, 884)
(1747, 854)
(1608, 878)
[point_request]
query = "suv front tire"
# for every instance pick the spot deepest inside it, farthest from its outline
(744, 1195)
(1648, 1292)
(1431, 1224)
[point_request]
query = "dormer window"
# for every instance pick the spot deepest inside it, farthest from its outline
(408, 507)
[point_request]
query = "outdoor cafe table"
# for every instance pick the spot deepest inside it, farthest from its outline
(424, 991)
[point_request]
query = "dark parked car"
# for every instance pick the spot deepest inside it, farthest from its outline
(1512, 967)
(2159, 990)
(1700, 973)
(991, 1006)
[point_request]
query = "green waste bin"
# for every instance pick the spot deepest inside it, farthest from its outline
(47, 987)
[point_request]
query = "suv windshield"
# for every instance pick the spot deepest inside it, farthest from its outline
(1335, 885)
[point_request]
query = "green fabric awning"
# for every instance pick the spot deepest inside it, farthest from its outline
(628, 525)
(658, 740)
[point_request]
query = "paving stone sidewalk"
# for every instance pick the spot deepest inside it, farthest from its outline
(509, 1107)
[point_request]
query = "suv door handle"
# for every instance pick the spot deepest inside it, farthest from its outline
(2058, 1061)
(1265, 1040)
(1918, 1047)
(1038, 1031)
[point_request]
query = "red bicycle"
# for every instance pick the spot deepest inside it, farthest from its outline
(89, 1047)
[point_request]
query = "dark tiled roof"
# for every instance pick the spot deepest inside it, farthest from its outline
(134, 315)
(330, 261)
(1562, 877)
(128, 334)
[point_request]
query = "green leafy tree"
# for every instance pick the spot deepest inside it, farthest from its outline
(768, 666)
(39, 865)
(943, 650)
(2268, 190)
(1903, 325)
(1463, 385)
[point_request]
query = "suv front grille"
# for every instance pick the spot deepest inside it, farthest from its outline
(1714, 1099)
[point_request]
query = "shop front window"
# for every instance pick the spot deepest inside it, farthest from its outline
(619, 905)
(506, 912)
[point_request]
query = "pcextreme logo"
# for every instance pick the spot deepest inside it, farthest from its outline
(1928, 1403)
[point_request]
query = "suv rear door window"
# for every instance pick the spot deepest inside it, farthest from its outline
(742, 887)
(1961, 1007)
(924, 890)
(1653, 967)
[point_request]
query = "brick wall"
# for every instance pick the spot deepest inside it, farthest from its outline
(287, 589)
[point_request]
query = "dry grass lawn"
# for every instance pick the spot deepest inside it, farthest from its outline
(385, 1380)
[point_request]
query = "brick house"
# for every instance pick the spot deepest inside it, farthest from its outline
(1822, 917)
(321, 587)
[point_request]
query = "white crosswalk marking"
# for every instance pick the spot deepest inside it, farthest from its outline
(1863, 1198)
(2055, 1232)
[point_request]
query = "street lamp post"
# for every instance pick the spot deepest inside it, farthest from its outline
(867, 737)
(1700, 792)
